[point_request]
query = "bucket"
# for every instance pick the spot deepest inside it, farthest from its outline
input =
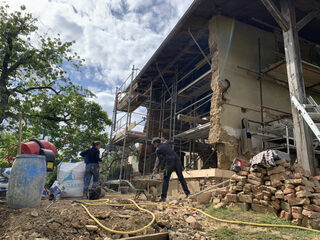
(124, 189)
(26, 182)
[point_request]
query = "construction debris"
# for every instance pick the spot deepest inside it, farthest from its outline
(288, 192)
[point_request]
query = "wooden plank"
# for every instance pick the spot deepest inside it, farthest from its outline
(205, 173)
(131, 126)
(155, 236)
(191, 119)
(303, 137)
(272, 8)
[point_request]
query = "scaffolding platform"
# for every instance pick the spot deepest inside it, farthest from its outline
(135, 99)
(201, 131)
(131, 136)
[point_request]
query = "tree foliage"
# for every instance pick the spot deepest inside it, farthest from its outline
(33, 81)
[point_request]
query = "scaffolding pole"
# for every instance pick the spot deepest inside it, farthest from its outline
(147, 130)
(126, 129)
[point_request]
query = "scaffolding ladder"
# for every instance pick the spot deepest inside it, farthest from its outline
(310, 113)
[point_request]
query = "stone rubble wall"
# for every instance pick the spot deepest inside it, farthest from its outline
(288, 192)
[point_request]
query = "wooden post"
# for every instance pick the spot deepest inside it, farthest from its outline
(303, 137)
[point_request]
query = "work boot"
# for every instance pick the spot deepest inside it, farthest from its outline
(162, 200)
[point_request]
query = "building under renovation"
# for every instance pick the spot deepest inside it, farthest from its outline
(218, 85)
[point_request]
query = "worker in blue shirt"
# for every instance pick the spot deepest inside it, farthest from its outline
(167, 156)
(92, 165)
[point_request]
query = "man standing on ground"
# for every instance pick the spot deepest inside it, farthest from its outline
(92, 165)
(170, 159)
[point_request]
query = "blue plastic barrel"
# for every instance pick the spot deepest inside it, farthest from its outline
(26, 182)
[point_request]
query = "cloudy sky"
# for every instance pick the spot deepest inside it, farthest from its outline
(111, 35)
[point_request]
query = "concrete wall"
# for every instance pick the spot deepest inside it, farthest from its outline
(236, 44)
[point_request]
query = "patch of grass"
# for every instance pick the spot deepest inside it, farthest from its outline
(226, 233)
(252, 216)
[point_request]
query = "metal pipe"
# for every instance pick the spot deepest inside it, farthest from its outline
(147, 131)
(195, 41)
(125, 135)
(195, 81)
(164, 82)
(182, 110)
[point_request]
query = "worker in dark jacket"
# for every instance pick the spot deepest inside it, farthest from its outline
(167, 157)
(92, 165)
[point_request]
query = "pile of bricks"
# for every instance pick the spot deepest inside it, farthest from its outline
(288, 192)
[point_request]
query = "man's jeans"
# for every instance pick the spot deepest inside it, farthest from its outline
(92, 170)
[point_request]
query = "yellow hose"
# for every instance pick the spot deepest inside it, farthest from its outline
(115, 231)
(106, 202)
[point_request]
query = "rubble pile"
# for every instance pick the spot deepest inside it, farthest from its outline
(288, 192)
(67, 220)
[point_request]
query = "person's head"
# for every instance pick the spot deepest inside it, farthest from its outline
(156, 141)
(96, 144)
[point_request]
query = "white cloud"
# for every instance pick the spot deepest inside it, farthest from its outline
(111, 35)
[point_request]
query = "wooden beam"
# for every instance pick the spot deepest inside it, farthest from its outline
(273, 10)
(306, 19)
(190, 119)
(155, 236)
(303, 137)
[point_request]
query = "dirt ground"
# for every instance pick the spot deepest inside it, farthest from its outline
(67, 220)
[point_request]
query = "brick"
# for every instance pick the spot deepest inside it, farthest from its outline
(285, 215)
(297, 215)
(289, 196)
(243, 173)
(310, 214)
(276, 205)
(245, 198)
(240, 184)
(296, 210)
(257, 174)
(302, 194)
(315, 201)
(277, 178)
(267, 183)
(297, 175)
(315, 195)
(257, 183)
(264, 209)
(317, 189)
(279, 194)
(288, 191)
(312, 207)
(266, 198)
(246, 189)
(259, 196)
(280, 162)
(285, 206)
(265, 203)
(276, 170)
(266, 193)
(255, 201)
(299, 201)
(314, 223)
(238, 178)
(304, 188)
(273, 198)
(297, 222)
(231, 197)
(271, 189)
(289, 185)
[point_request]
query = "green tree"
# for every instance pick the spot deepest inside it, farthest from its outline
(33, 81)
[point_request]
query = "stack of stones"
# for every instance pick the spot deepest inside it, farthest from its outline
(288, 192)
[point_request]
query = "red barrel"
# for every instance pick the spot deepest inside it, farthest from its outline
(33, 147)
